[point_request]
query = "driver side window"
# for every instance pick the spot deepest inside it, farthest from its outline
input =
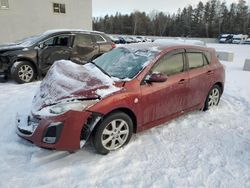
(61, 40)
(170, 64)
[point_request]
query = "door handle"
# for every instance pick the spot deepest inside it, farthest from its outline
(182, 81)
(210, 72)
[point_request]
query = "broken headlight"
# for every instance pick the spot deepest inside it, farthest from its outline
(74, 105)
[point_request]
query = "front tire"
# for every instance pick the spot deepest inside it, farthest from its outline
(23, 72)
(213, 97)
(112, 133)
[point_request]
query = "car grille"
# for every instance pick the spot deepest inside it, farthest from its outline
(31, 122)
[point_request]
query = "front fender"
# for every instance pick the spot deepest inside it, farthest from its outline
(119, 101)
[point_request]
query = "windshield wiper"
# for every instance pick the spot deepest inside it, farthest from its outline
(101, 69)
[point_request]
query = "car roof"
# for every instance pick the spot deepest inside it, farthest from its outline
(60, 31)
(158, 47)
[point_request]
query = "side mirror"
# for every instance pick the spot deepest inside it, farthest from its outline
(156, 77)
(40, 46)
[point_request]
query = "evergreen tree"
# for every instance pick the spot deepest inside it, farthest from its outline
(205, 20)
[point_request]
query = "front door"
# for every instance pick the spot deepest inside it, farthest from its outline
(54, 49)
(161, 100)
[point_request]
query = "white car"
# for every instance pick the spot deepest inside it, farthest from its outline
(238, 39)
(247, 41)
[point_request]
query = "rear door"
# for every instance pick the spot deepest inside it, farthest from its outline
(200, 76)
(53, 49)
(84, 48)
(104, 43)
(160, 100)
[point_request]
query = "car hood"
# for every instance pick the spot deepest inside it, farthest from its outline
(67, 80)
(10, 47)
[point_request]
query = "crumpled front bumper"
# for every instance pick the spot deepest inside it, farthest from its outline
(65, 129)
(3, 72)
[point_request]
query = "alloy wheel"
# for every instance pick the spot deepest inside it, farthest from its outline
(115, 134)
(214, 97)
(25, 73)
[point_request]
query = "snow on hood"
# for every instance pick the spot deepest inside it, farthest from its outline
(67, 80)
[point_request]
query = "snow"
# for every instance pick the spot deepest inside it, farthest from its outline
(106, 92)
(180, 41)
(201, 149)
(66, 79)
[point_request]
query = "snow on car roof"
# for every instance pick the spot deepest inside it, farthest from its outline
(48, 32)
(181, 41)
(162, 44)
(225, 35)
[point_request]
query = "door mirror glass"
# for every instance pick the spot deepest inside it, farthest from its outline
(41, 45)
(156, 77)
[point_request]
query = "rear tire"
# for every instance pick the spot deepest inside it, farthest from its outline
(112, 133)
(23, 72)
(213, 97)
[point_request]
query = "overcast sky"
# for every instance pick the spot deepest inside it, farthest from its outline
(103, 7)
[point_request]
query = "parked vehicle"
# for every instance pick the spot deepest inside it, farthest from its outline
(238, 39)
(114, 39)
(226, 38)
(33, 56)
(149, 40)
(124, 91)
(247, 41)
(136, 39)
(129, 39)
(141, 39)
(122, 40)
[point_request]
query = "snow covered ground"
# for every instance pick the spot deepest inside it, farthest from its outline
(201, 149)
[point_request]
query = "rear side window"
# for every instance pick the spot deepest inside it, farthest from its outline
(208, 57)
(170, 64)
(82, 40)
(99, 38)
(196, 60)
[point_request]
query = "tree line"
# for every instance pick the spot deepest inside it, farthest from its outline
(204, 20)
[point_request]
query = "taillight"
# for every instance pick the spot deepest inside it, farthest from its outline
(113, 45)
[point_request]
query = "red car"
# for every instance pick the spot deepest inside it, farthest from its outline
(127, 90)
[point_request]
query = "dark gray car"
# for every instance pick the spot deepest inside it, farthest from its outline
(29, 58)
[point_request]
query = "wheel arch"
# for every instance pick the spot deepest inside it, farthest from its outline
(19, 59)
(127, 111)
(86, 132)
(220, 85)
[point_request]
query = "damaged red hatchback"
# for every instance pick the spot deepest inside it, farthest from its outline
(127, 90)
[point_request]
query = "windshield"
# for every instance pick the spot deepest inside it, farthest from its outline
(123, 63)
